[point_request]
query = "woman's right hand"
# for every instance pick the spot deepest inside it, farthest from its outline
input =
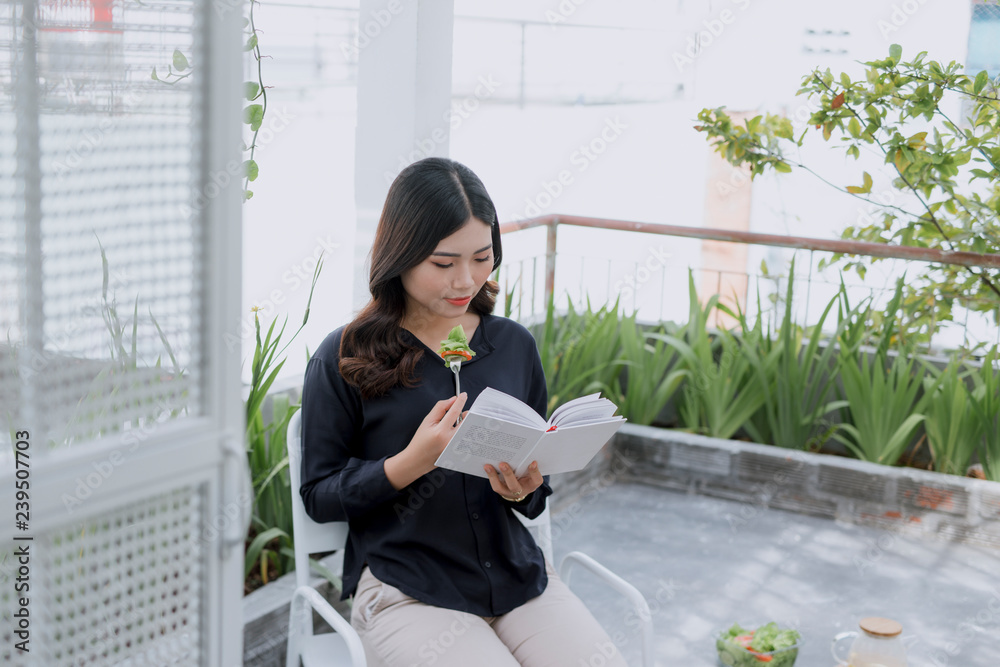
(432, 436)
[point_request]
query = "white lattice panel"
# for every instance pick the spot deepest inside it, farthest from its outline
(121, 590)
(100, 157)
(114, 287)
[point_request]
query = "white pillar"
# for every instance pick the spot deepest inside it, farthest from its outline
(404, 95)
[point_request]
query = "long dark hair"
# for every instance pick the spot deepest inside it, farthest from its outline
(429, 200)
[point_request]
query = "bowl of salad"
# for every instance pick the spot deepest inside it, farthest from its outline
(767, 645)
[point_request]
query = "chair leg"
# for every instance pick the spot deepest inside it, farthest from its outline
(299, 626)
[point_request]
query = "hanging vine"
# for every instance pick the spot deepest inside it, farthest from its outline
(253, 113)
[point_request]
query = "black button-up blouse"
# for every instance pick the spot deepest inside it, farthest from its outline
(447, 539)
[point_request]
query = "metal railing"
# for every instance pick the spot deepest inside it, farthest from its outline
(552, 222)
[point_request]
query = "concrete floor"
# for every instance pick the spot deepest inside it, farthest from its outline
(703, 563)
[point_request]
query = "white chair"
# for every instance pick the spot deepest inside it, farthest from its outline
(343, 647)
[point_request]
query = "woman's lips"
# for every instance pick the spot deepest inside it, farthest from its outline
(459, 302)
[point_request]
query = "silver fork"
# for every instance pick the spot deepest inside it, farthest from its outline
(456, 366)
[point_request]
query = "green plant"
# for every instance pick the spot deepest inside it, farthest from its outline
(555, 336)
(953, 427)
(651, 376)
(121, 377)
(722, 391)
(796, 380)
(881, 405)
(882, 410)
(986, 403)
(271, 540)
(943, 189)
(591, 362)
(579, 352)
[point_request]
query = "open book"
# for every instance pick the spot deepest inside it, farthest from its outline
(499, 428)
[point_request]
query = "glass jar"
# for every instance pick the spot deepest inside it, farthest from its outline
(877, 645)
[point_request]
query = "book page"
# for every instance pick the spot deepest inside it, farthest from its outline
(570, 448)
(600, 409)
(495, 403)
(481, 440)
(569, 405)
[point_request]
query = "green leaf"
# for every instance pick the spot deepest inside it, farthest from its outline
(251, 43)
(253, 551)
(153, 75)
(253, 115)
(250, 169)
(782, 167)
(180, 61)
(895, 53)
(864, 189)
(251, 89)
(854, 127)
(247, 194)
(981, 79)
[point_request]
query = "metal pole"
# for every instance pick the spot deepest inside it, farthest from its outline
(28, 217)
(550, 260)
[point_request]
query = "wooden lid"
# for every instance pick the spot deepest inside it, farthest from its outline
(881, 627)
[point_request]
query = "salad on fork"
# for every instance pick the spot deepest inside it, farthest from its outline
(454, 350)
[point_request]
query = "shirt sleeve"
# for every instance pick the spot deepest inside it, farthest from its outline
(337, 485)
(538, 398)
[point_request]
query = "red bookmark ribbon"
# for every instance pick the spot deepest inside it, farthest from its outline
(552, 428)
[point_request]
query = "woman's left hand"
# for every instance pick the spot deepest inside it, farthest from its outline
(511, 488)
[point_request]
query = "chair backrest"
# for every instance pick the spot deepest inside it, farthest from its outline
(310, 537)
(541, 529)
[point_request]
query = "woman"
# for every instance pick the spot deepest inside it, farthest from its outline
(441, 570)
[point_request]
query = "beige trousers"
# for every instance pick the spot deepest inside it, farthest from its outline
(552, 630)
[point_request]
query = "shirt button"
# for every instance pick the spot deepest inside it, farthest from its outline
(488, 564)
(475, 516)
